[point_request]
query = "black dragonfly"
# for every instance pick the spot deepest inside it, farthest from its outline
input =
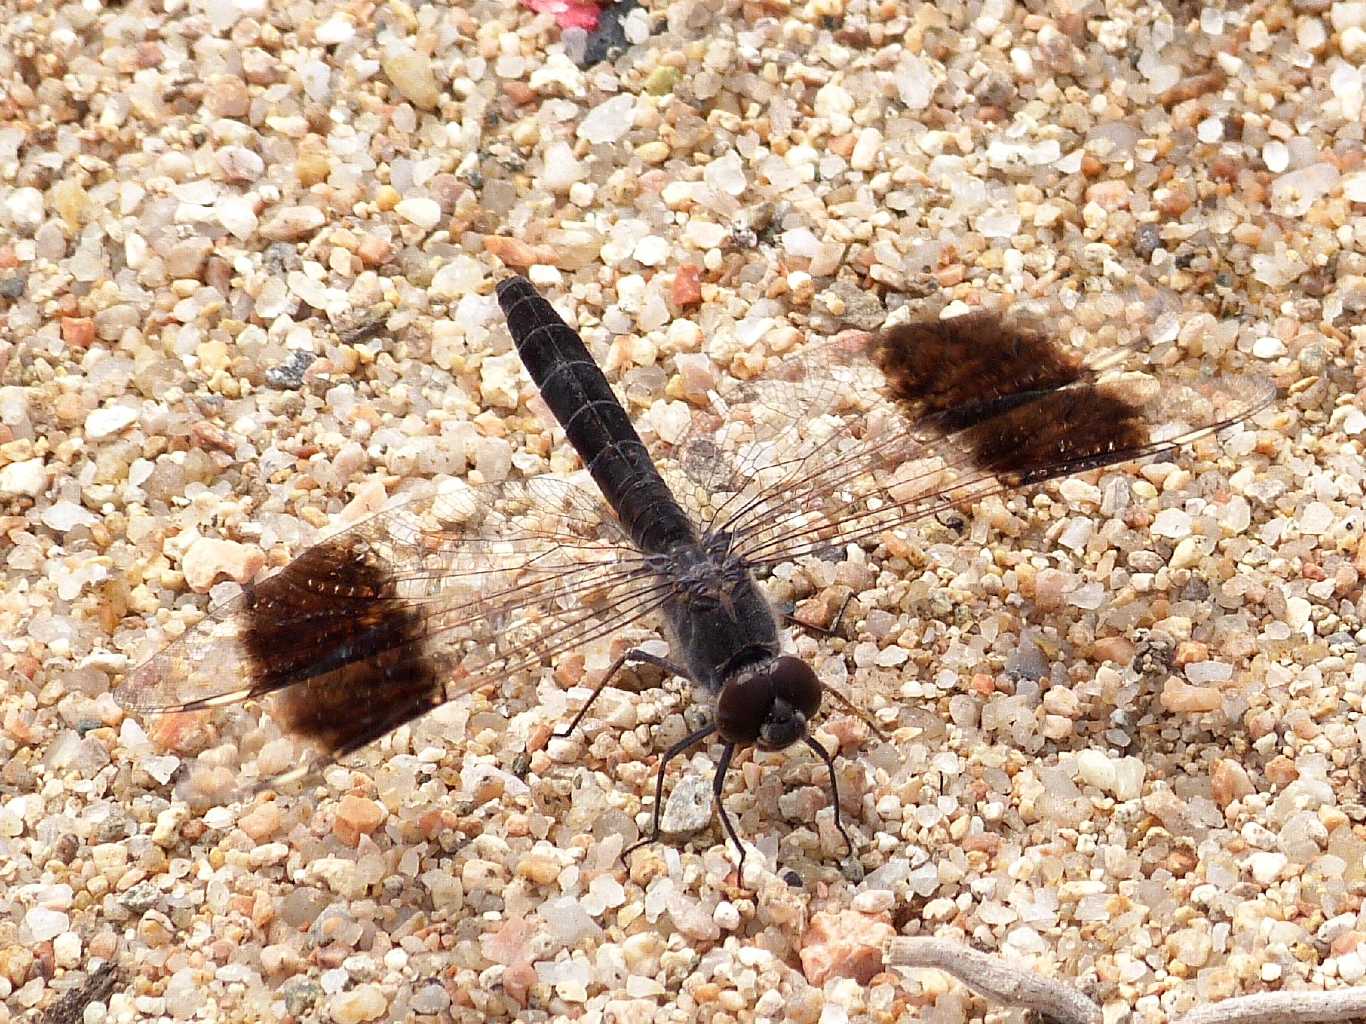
(468, 586)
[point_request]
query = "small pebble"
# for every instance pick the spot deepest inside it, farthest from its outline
(688, 805)
(843, 944)
(292, 223)
(362, 1003)
(209, 558)
(109, 419)
(425, 213)
(413, 76)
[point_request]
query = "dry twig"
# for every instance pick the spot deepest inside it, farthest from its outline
(999, 980)
(1282, 1008)
(995, 978)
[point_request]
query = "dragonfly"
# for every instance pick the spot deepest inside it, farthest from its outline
(467, 586)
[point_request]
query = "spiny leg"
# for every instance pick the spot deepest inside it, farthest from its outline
(856, 711)
(824, 755)
(840, 698)
(635, 654)
(685, 743)
(718, 783)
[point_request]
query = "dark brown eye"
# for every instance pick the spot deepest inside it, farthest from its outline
(796, 683)
(743, 707)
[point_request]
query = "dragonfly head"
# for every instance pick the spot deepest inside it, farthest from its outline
(770, 705)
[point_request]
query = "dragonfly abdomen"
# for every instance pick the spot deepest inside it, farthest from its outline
(593, 420)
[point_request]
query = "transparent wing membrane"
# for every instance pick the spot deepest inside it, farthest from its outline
(843, 441)
(415, 606)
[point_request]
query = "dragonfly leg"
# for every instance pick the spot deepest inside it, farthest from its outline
(717, 785)
(824, 755)
(691, 740)
(634, 656)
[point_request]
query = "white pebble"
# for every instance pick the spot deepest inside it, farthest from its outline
(1268, 347)
(726, 916)
(237, 214)
(1096, 769)
(652, 250)
(23, 479)
(562, 169)
(1348, 14)
(1276, 156)
(66, 949)
(431, 999)
(1317, 518)
(1129, 775)
(1188, 552)
(874, 901)
(1297, 611)
(1294, 192)
(1352, 43)
(209, 558)
(336, 29)
(1265, 865)
(569, 923)
(609, 120)
(24, 209)
(1354, 186)
(46, 924)
(866, 149)
(915, 81)
(1173, 523)
(726, 174)
(1280, 268)
(419, 210)
(458, 278)
(240, 163)
(1202, 673)
(109, 420)
(67, 515)
(890, 657)
(688, 807)
(1211, 129)
(1351, 967)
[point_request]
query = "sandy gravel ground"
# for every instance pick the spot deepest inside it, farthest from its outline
(247, 253)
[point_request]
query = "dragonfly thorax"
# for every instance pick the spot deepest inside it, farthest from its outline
(703, 574)
(769, 704)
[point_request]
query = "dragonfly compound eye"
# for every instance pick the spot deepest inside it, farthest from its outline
(744, 706)
(795, 683)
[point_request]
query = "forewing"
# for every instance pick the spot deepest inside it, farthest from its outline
(869, 432)
(418, 605)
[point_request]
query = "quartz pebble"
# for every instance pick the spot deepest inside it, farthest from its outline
(362, 1003)
(292, 223)
(26, 478)
(209, 558)
(108, 420)
(413, 76)
(843, 944)
(689, 805)
(425, 213)
(46, 924)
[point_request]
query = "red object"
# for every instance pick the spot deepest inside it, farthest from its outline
(568, 13)
(687, 290)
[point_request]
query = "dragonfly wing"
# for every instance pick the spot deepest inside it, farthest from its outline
(426, 601)
(926, 417)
